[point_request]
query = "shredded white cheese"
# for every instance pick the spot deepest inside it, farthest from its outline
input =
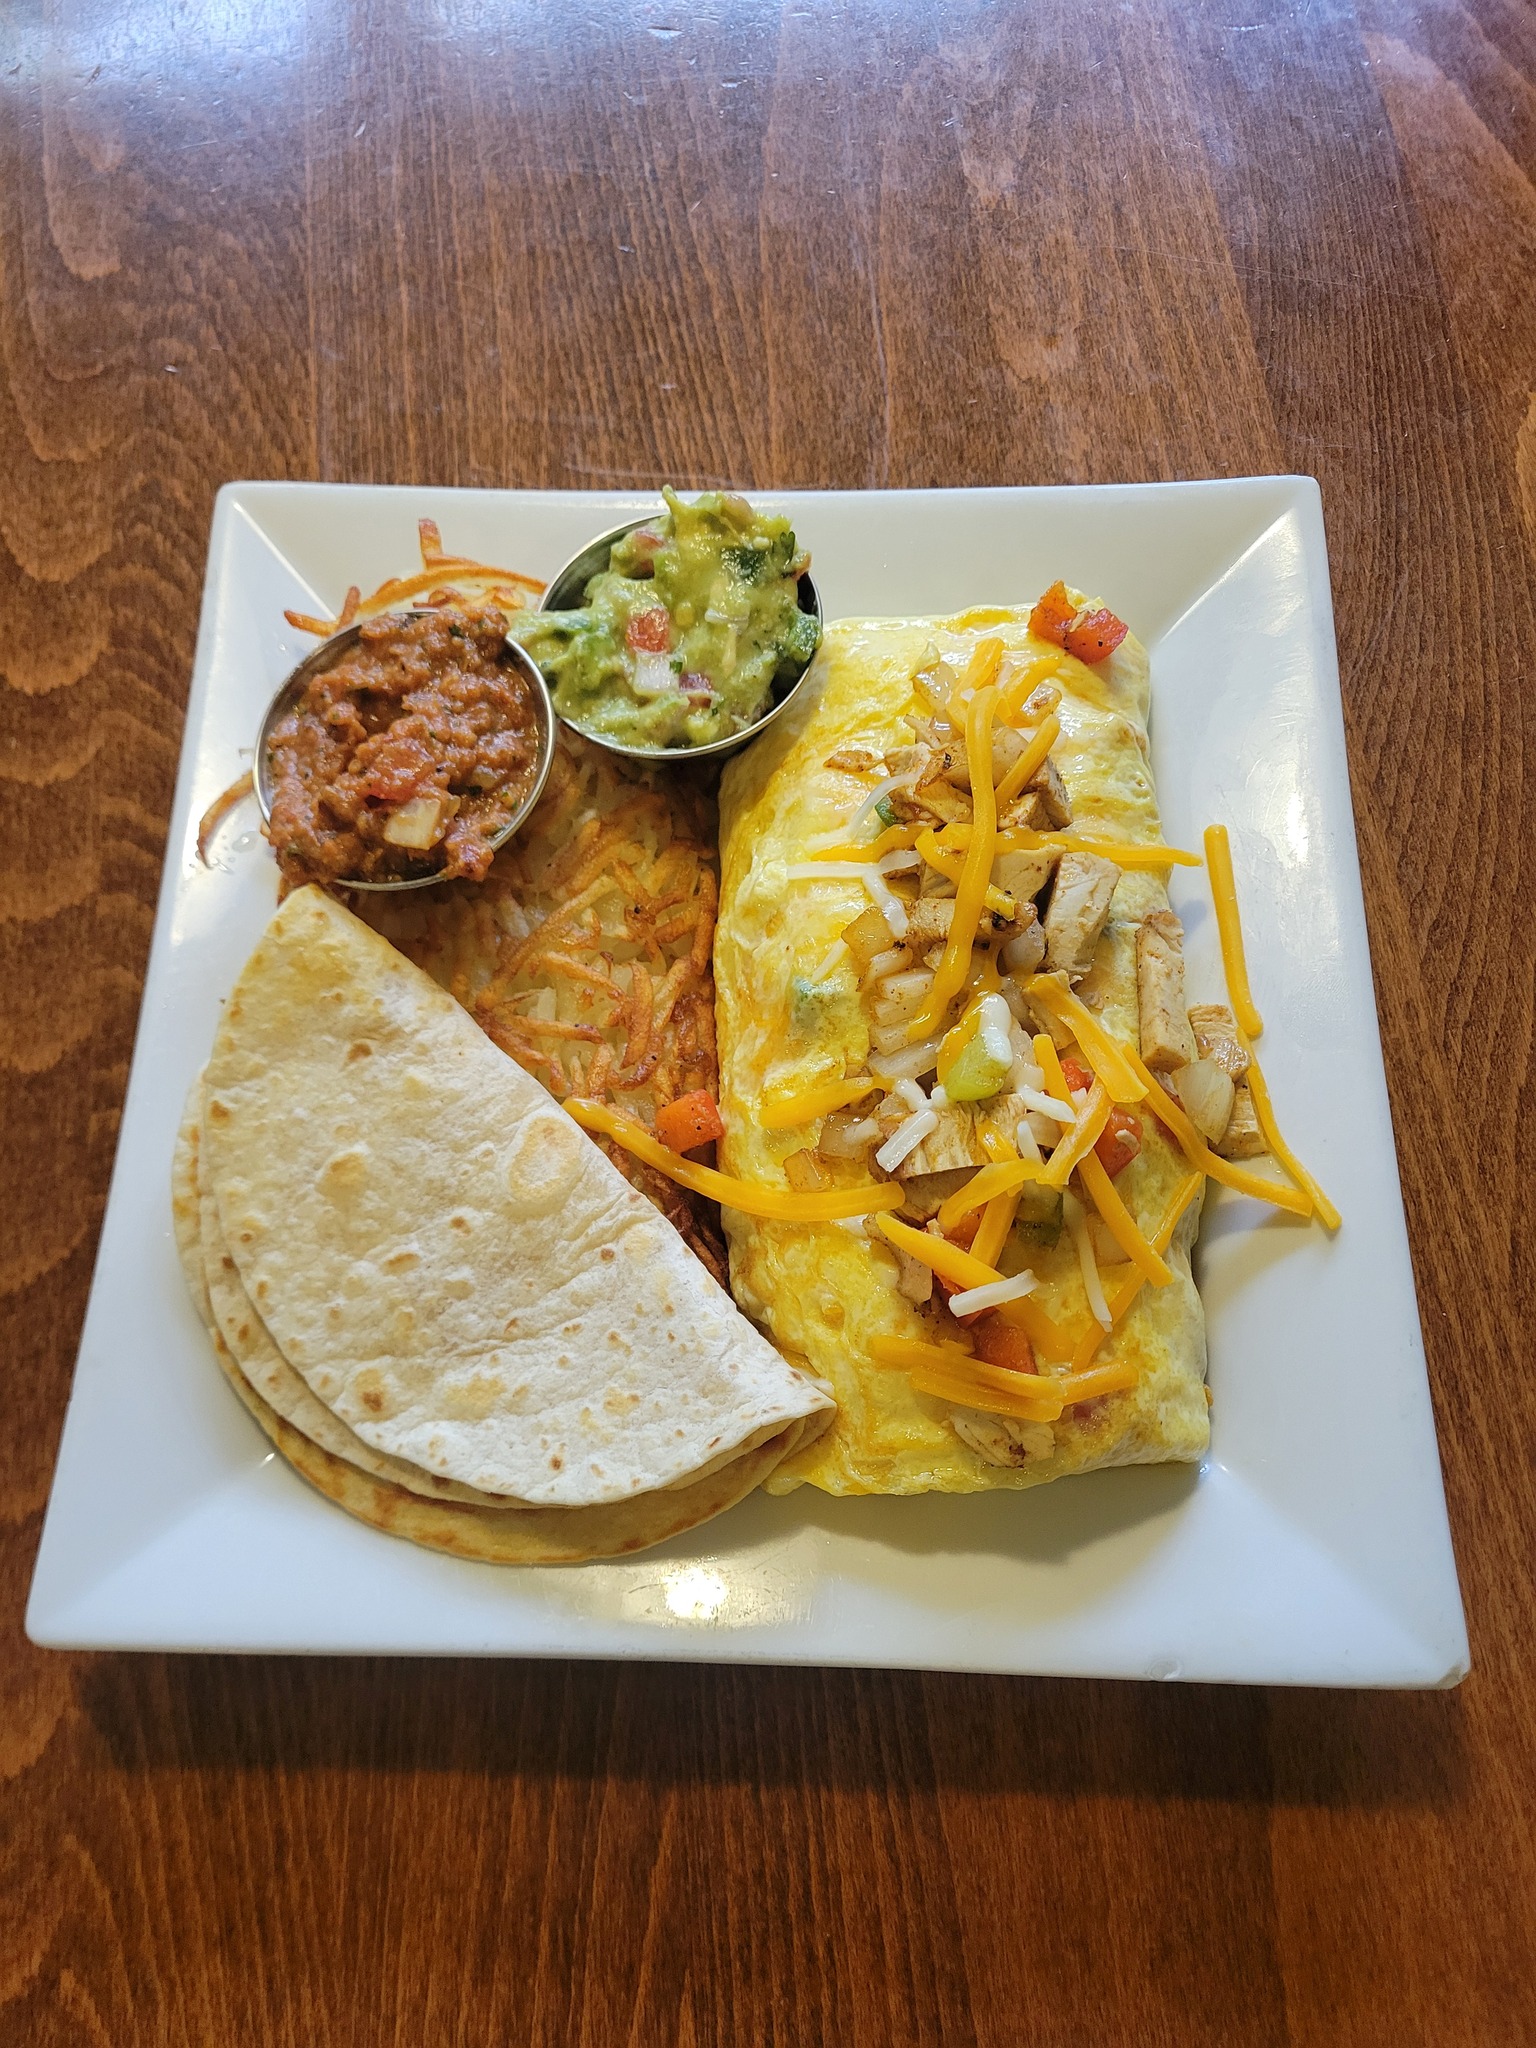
(992, 1294)
(1077, 1223)
(906, 1138)
(1047, 1105)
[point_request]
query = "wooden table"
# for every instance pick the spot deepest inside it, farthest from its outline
(800, 244)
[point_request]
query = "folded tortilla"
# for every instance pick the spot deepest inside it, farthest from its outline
(389, 1494)
(444, 1259)
(824, 1291)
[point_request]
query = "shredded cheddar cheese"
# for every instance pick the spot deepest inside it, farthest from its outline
(1021, 687)
(910, 1351)
(826, 1206)
(963, 1269)
(951, 865)
(894, 839)
(1122, 1225)
(1186, 1192)
(811, 1103)
(1029, 762)
(1075, 1145)
(1100, 1050)
(970, 894)
(1229, 925)
(965, 1393)
(1198, 1153)
(1022, 839)
(1264, 1110)
(985, 1185)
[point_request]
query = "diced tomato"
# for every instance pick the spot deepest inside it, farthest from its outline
(649, 631)
(1075, 1074)
(1000, 1343)
(400, 767)
(1092, 637)
(690, 1121)
(1119, 1141)
(1053, 615)
(646, 542)
(1095, 636)
(964, 1232)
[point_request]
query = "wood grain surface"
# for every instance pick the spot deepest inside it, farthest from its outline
(819, 242)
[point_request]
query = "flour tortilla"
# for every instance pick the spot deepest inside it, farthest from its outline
(529, 1536)
(453, 1268)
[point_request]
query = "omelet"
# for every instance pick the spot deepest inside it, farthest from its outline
(792, 1015)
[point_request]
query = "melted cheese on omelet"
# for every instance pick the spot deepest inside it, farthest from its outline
(823, 1291)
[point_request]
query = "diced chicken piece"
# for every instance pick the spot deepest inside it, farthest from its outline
(419, 822)
(1242, 1138)
(914, 1280)
(1041, 1019)
(939, 799)
(1024, 875)
(924, 1194)
(999, 1439)
(1085, 885)
(1046, 783)
(1024, 948)
(1215, 1030)
(1028, 810)
(905, 760)
(1167, 1042)
(953, 1146)
(856, 760)
(932, 883)
(1007, 745)
(928, 922)
(930, 917)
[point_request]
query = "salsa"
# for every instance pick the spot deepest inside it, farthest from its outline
(407, 757)
(684, 634)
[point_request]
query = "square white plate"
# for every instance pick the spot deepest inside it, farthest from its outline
(1311, 1547)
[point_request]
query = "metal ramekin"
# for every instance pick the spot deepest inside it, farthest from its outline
(565, 593)
(329, 652)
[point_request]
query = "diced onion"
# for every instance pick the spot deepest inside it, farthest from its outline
(654, 675)
(906, 1138)
(1024, 951)
(907, 1063)
(1205, 1092)
(846, 1139)
(1077, 1223)
(993, 1294)
(902, 861)
(887, 962)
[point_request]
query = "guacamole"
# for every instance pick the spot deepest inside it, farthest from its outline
(683, 635)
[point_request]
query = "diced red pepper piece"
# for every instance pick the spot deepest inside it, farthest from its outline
(1075, 1074)
(649, 631)
(1053, 615)
(1092, 637)
(1119, 1142)
(1095, 636)
(1004, 1344)
(690, 1121)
